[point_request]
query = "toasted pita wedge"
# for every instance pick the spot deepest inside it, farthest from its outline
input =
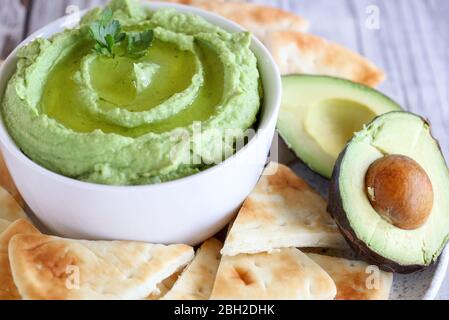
(8, 290)
(7, 182)
(355, 280)
(10, 210)
(281, 274)
(165, 286)
(53, 268)
(4, 224)
(198, 279)
(297, 52)
(257, 19)
(283, 211)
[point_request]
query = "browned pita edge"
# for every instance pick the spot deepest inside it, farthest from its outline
(8, 289)
(302, 53)
(351, 278)
(7, 182)
(165, 286)
(41, 267)
(258, 19)
(197, 280)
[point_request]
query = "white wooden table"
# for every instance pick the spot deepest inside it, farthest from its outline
(410, 42)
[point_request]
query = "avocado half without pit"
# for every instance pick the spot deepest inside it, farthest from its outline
(320, 114)
(390, 193)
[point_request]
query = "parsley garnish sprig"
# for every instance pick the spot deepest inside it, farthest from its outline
(108, 36)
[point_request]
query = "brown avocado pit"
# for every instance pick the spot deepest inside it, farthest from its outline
(400, 191)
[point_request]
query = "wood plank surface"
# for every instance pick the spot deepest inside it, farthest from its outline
(45, 11)
(13, 15)
(411, 44)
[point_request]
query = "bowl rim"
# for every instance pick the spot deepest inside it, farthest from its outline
(264, 58)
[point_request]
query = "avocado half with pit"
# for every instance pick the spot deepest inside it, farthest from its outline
(390, 193)
(320, 114)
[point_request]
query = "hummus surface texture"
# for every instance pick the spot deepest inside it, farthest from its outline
(130, 121)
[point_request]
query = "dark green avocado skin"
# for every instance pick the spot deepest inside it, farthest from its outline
(336, 210)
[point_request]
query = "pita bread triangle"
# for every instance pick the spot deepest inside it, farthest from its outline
(302, 53)
(197, 281)
(354, 279)
(281, 274)
(8, 290)
(7, 182)
(282, 211)
(51, 268)
(256, 18)
(165, 286)
(10, 210)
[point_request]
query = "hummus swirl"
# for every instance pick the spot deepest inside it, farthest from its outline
(128, 120)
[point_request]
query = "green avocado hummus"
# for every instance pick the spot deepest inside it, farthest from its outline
(127, 120)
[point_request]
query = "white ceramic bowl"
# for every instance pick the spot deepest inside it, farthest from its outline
(184, 211)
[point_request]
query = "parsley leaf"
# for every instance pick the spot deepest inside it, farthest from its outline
(106, 33)
(106, 16)
(139, 42)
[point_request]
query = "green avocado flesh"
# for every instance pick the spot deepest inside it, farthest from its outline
(398, 133)
(319, 115)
